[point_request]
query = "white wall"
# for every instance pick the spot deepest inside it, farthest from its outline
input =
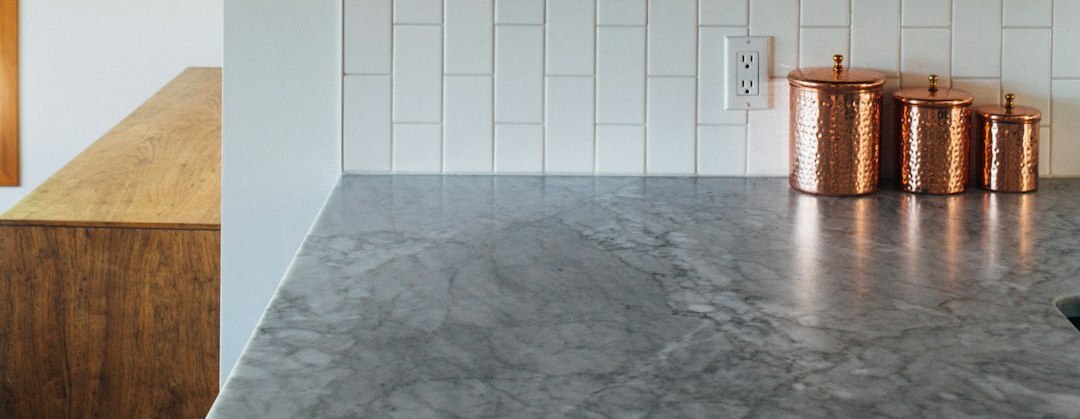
(85, 65)
(634, 86)
(282, 147)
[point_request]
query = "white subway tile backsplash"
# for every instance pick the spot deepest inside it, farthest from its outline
(519, 79)
(637, 86)
(1066, 39)
(519, 148)
(568, 136)
(469, 37)
(519, 11)
(1045, 145)
(924, 51)
(1065, 154)
(620, 75)
(1030, 83)
(621, 12)
(671, 126)
(780, 20)
(620, 149)
(818, 45)
(926, 13)
(418, 11)
(367, 36)
(418, 74)
(976, 44)
(570, 32)
(468, 142)
(826, 12)
(721, 150)
(1028, 13)
(366, 140)
(723, 12)
(712, 81)
(672, 44)
(875, 35)
(418, 148)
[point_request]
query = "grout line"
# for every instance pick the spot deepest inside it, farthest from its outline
(523, 24)
(697, 95)
(367, 74)
(645, 73)
(393, 131)
(418, 23)
(543, 88)
(442, 93)
(493, 52)
(824, 26)
(341, 85)
(596, 64)
(1050, 146)
(618, 25)
(722, 26)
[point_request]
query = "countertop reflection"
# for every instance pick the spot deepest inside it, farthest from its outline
(479, 296)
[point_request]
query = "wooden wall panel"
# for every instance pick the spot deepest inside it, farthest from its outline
(98, 322)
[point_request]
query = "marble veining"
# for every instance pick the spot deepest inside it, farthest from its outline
(461, 296)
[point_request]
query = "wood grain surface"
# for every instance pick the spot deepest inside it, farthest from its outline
(108, 323)
(159, 168)
(9, 92)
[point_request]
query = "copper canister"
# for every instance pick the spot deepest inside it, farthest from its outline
(935, 138)
(1009, 145)
(835, 129)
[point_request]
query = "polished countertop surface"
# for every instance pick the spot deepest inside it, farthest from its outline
(428, 296)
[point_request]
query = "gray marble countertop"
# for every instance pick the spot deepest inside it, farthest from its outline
(427, 296)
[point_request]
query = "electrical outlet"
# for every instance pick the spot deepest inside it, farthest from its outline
(746, 69)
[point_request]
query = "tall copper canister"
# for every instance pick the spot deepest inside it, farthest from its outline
(935, 138)
(1009, 142)
(835, 129)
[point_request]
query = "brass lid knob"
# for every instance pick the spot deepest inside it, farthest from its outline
(933, 83)
(838, 61)
(1010, 101)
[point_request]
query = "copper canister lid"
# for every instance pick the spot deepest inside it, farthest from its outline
(1009, 112)
(836, 77)
(932, 96)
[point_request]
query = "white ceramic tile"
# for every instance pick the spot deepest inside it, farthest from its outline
(711, 79)
(767, 135)
(620, 75)
(570, 32)
(875, 35)
(671, 126)
(672, 38)
(367, 36)
(568, 137)
(1066, 39)
(780, 20)
(1045, 145)
(926, 13)
(1028, 13)
(1065, 157)
(1028, 77)
(418, 11)
(417, 148)
(723, 12)
(469, 37)
(621, 12)
(925, 51)
(467, 126)
(366, 119)
(519, 148)
(976, 42)
(519, 79)
(721, 150)
(890, 138)
(985, 91)
(519, 11)
(418, 74)
(620, 149)
(818, 45)
(826, 12)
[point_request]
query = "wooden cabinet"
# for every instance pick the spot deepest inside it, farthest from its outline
(109, 272)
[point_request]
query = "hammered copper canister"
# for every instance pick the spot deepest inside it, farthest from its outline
(835, 129)
(1009, 146)
(935, 138)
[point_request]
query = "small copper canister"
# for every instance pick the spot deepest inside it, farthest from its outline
(835, 129)
(935, 138)
(1009, 146)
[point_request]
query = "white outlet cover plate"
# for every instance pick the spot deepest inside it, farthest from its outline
(732, 46)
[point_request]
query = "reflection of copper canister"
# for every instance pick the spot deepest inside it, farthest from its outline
(1009, 140)
(835, 129)
(935, 139)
